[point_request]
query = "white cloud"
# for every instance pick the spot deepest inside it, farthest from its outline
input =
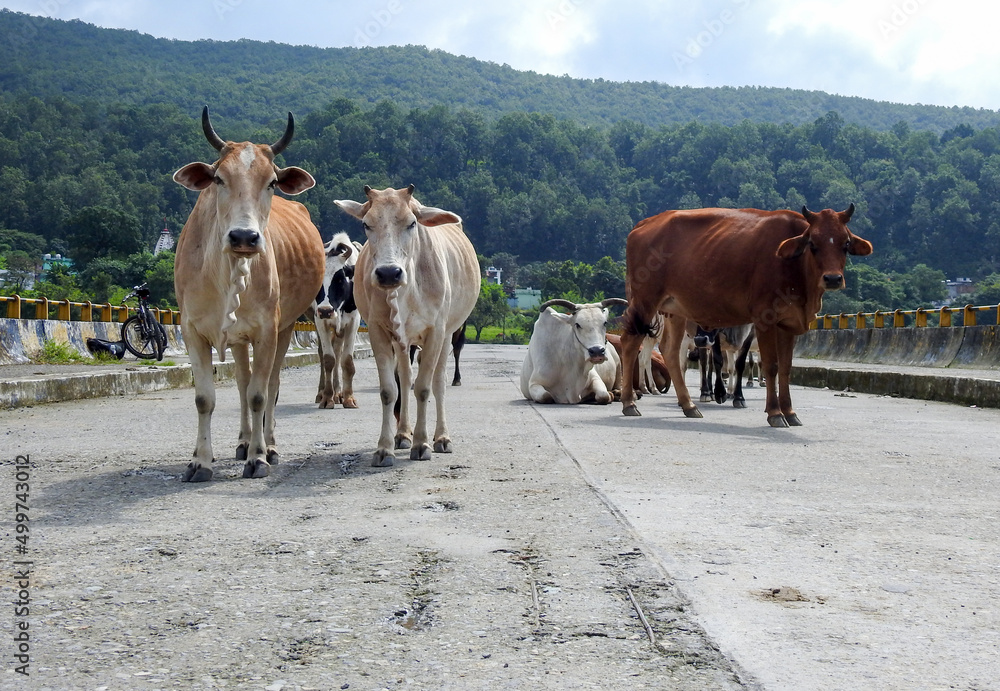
(927, 51)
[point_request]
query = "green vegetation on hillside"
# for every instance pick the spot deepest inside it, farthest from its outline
(253, 80)
(87, 173)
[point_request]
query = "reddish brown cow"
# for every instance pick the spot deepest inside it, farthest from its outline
(725, 267)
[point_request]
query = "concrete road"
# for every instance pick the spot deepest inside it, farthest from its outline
(558, 547)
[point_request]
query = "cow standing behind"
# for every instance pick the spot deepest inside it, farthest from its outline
(724, 267)
(247, 265)
(337, 320)
(569, 359)
(416, 282)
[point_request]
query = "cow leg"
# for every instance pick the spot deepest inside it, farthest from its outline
(786, 344)
(241, 362)
(347, 365)
(675, 328)
(327, 362)
(200, 351)
(433, 360)
(457, 343)
(705, 370)
(273, 384)
(646, 383)
(442, 442)
(767, 342)
(337, 385)
(718, 364)
(404, 371)
(322, 369)
(631, 342)
(258, 404)
(741, 363)
(385, 361)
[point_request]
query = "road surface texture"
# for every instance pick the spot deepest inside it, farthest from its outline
(558, 547)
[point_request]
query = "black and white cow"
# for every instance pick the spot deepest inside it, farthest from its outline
(337, 320)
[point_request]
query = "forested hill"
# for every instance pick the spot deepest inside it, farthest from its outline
(251, 81)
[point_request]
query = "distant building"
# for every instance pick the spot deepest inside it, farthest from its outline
(493, 275)
(165, 242)
(51, 260)
(959, 288)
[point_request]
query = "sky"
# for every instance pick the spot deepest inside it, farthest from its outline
(940, 52)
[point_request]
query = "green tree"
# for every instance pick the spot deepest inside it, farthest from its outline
(100, 231)
(491, 308)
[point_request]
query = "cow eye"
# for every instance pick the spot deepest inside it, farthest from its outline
(367, 228)
(218, 181)
(412, 225)
(272, 184)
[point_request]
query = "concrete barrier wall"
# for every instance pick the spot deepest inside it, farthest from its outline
(973, 347)
(21, 339)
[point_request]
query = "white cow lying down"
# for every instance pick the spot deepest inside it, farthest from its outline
(569, 359)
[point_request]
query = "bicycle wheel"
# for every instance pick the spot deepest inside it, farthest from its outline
(138, 340)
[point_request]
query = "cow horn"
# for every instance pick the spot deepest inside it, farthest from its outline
(607, 302)
(409, 189)
(809, 215)
(286, 138)
(206, 125)
(845, 216)
(368, 191)
(345, 249)
(559, 302)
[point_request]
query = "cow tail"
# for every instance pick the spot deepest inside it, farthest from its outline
(637, 325)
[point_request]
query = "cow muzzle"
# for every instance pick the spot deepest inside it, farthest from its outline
(833, 281)
(324, 312)
(389, 276)
(243, 241)
(596, 354)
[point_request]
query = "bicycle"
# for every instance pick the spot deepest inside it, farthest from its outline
(143, 335)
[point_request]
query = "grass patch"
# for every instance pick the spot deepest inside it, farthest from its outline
(492, 334)
(60, 353)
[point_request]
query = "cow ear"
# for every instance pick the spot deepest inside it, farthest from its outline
(793, 247)
(195, 176)
(859, 247)
(293, 180)
(429, 216)
(349, 206)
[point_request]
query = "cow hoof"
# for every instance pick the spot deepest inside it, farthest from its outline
(442, 445)
(777, 421)
(241, 450)
(326, 404)
(421, 452)
(739, 403)
(382, 459)
(631, 411)
(705, 398)
(256, 469)
(273, 457)
(457, 382)
(793, 420)
(319, 397)
(692, 412)
(196, 473)
(350, 402)
(403, 442)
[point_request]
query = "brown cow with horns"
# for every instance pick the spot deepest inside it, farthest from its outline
(725, 267)
(247, 265)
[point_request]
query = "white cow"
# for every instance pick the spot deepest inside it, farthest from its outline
(416, 282)
(337, 319)
(569, 359)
